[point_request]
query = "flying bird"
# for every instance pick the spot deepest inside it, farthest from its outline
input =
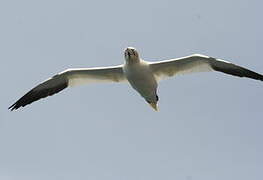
(142, 75)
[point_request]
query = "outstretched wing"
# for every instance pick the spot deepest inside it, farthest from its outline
(70, 77)
(199, 63)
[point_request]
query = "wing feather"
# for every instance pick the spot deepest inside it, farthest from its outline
(199, 63)
(47, 88)
(70, 77)
(81, 76)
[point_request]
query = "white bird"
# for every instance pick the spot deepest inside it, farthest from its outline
(142, 75)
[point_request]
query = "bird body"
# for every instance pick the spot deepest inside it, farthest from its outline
(142, 80)
(142, 75)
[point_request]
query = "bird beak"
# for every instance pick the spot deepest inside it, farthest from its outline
(154, 106)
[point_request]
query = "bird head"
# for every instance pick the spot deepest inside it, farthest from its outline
(131, 55)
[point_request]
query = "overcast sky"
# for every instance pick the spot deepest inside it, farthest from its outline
(209, 126)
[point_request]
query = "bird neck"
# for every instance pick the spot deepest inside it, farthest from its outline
(133, 60)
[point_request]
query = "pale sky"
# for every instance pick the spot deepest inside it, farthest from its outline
(209, 126)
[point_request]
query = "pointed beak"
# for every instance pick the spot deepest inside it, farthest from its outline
(154, 106)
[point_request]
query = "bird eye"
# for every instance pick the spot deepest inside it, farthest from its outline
(134, 52)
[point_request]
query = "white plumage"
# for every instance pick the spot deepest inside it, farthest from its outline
(142, 75)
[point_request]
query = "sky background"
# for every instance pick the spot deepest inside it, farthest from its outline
(209, 126)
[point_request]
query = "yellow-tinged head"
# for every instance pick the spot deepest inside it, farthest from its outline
(131, 55)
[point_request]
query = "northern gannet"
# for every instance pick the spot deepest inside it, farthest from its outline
(142, 75)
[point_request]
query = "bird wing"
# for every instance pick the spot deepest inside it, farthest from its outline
(69, 78)
(199, 63)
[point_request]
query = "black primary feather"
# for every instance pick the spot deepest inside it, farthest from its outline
(47, 88)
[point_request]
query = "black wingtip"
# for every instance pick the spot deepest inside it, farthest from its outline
(235, 70)
(16, 105)
(40, 92)
(13, 107)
